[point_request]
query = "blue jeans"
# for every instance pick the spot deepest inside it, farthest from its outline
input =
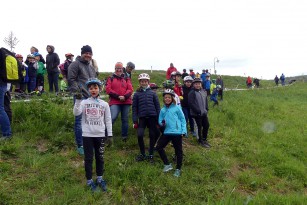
(53, 79)
(124, 109)
(4, 120)
(78, 129)
(31, 84)
(187, 115)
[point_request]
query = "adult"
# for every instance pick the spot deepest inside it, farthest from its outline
(282, 79)
(35, 50)
(4, 119)
(192, 74)
(119, 89)
(129, 68)
(170, 70)
(249, 82)
(52, 63)
(203, 75)
(276, 79)
(256, 82)
(219, 81)
(184, 74)
(79, 72)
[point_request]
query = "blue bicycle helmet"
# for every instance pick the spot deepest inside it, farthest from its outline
(93, 81)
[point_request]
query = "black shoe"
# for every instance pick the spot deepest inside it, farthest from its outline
(150, 159)
(207, 143)
(203, 144)
(140, 158)
(125, 139)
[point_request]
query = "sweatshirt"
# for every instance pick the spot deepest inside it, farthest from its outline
(96, 117)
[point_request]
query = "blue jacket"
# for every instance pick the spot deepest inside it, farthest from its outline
(207, 84)
(145, 104)
(203, 76)
(175, 123)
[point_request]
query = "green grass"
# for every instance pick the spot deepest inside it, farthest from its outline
(258, 155)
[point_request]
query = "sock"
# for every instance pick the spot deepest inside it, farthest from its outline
(99, 179)
(88, 182)
(40, 88)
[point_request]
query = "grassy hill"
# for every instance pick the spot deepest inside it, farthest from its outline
(258, 155)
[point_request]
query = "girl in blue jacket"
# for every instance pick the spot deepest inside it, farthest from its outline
(171, 118)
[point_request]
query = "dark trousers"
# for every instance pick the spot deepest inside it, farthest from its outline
(91, 145)
(221, 94)
(202, 127)
(7, 105)
(53, 80)
(39, 80)
(151, 123)
(188, 117)
(31, 84)
(177, 143)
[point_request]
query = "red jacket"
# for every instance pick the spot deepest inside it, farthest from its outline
(119, 86)
(169, 71)
(178, 89)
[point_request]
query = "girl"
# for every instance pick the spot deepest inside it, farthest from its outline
(172, 119)
(96, 118)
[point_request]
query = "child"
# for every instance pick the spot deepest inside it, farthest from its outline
(214, 94)
(145, 111)
(154, 87)
(41, 70)
(24, 70)
(186, 88)
(96, 118)
(169, 84)
(63, 85)
(176, 76)
(172, 119)
(199, 108)
(207, 84)
(32, 71)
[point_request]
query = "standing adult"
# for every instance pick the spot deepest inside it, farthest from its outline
(4, 119)
(184, 74)
(282, 79)
(203, 75)
(192, 74)
(79, 72)
(119, 89)
(249, 82)
(129, 68)
(276, 79)
(52, 63)
(219, 81)
(170, 70)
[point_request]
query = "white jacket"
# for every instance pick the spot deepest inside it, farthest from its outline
(96, 117)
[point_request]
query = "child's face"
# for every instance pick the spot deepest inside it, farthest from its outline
(94, 90)
(144, 83)
(20, 60)
(32, 60)
(178, 78)
(167, 99)
(197, 85)
(188, 83)
(37, 58)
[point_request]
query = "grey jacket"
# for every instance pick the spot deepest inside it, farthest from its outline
(198, 103)
(79, 72)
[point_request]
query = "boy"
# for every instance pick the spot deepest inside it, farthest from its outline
(199, 108)
(41, 70)
(186, 88)
(96, 118)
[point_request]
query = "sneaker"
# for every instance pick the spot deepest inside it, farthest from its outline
(92, 186)
(167, 168)
(207, 143)
(125, 138)
(151, 159)
(194, 134)
(177, 172)
(80, 150)
(140, 158)
(102, 184)
(203, 144)
(4, 138)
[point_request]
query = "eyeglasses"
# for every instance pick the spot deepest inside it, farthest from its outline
(118, 68)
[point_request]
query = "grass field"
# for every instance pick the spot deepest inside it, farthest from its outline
(258, 155)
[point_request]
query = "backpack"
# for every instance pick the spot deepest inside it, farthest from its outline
(10, 68)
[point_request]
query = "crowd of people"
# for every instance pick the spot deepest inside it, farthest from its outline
(184, 111)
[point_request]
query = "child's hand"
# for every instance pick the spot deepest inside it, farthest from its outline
(78, 96)
(135, 125)
(163, 123)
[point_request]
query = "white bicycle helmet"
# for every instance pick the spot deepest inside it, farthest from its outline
(169, 91)
(143, 76)
(187, 78)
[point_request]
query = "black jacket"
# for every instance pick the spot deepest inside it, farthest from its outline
(145, 104)
(186, 91)
(52, 61)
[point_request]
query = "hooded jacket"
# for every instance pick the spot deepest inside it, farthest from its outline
(79, 72)
(52, 61)
(198, 103)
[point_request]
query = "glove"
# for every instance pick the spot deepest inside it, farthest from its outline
(78, 96)
(180, 97)
(135, 125)
(163, 123)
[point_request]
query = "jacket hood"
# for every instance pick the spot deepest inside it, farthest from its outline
(52, 48)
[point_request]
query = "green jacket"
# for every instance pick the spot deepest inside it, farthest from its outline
(41, 70)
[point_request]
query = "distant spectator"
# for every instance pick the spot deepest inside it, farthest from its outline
(192, 74)
(203, 75)
(129, 68)
(220, 82)
(249, 82)
(256, 82)
(169, 71)
(207, 85)
(52, 63)
(94, 64)
(282, 79)
(184, 74)
(35, 50)
(276, 79)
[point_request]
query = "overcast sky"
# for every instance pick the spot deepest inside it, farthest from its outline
(260, 38)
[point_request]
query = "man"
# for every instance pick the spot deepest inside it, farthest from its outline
(129, 68)
(79, 72)
(169, 71)
(184, 74)
(52, 63)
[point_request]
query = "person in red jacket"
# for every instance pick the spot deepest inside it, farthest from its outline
(119, 89)
(169, 71)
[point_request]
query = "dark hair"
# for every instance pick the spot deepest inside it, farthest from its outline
(130, 65)
(36, 50)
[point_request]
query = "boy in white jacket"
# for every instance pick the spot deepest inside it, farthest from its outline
(96, 118)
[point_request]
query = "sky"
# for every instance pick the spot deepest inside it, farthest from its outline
(258, 38)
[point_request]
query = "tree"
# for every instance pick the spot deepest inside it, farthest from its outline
(11, 41)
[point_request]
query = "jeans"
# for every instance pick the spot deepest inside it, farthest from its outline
(31, 84)
(4, 120)
(124, 109)
(78, 129)
(53, 79)
(151, 123)
(187, 115)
